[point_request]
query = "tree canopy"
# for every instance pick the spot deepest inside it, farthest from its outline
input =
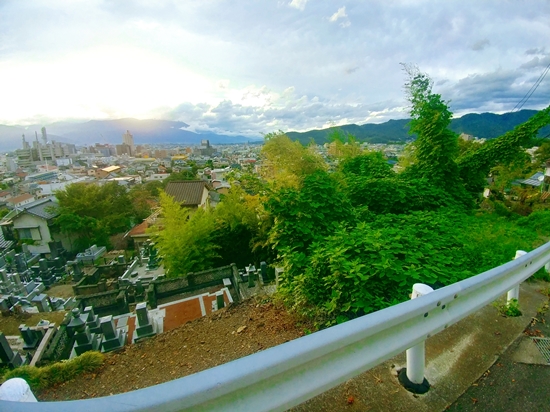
(91, 213)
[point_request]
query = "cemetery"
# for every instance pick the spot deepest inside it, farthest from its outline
(116, 303)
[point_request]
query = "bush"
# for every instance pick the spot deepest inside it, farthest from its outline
(41, 378)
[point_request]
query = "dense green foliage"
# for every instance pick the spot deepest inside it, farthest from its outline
(351, 233)
(475, 165)
(356, 240)
(196, 240)
(91, 213)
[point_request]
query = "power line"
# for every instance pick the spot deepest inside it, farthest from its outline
(532, 89)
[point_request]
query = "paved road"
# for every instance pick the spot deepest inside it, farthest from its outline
(518, 381)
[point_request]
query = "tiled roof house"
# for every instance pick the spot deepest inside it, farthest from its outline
(189, 193)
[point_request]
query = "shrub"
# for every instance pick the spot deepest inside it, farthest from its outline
(41, 378)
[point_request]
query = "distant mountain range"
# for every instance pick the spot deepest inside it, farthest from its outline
(484, 125)
(111, 131)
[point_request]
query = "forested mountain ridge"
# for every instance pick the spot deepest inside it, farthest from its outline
(484, 125)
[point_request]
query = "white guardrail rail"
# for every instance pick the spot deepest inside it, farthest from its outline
(287, 375)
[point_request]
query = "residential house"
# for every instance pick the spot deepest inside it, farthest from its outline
(33, 223)
(19, 201)
(139, 232)
(189, 193)
(4, 195)
(107, 171)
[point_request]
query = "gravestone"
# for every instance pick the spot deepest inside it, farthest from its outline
(59, 267)
(251, 272)
(6, 286)
(18, 287)
(41, 302)
(26, 252)
(144, 328)
(84, 339)
(46, 274)
(31, 336)
(30, 286)
(20, 262)
(153, 262)
(77, 271)
(263, 273)
(113, 339)
(7, 355)
(93, 320)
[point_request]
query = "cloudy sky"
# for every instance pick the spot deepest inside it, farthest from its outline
(250, 67)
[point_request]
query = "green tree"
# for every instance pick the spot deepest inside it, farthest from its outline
(474, 166)
(436, 146)
(184, 240)
(287, 163)
(303, 216)
(91, 213)
(238, 226)
(542, 154)
(343, 145)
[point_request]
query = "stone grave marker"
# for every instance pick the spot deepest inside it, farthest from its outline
(144, 328)
(93, 320)
(7, 355)
(113, 339)
(85, 340)
(31, 336)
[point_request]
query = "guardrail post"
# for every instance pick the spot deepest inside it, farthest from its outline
(412, 377)
(514, 293)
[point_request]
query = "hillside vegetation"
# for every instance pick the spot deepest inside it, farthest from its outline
(482, 126)
(352, 234)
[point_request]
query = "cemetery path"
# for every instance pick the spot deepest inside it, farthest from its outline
(231, 333)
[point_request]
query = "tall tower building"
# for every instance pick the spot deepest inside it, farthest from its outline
(44, 136)
(128, 140)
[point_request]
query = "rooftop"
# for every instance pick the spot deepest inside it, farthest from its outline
(187, 192)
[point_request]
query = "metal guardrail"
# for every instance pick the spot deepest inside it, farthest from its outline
(287, 375)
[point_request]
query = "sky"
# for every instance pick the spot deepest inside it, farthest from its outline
(251, 67)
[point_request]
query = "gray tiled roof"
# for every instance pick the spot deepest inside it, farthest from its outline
(533, 180)
(187, 192)
(5, 244)
(47, 209)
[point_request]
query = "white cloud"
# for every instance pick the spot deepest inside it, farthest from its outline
(248, 66)
(340, 14)
(298, 4)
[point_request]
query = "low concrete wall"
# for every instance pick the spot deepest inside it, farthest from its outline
(164, 288)
(110, 302)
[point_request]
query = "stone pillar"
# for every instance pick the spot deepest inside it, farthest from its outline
(113, 339)
(31, 336)
(144, 328)
(93, 320)
(263, 273)
(20, 262)
(7, 355)
(41, 302)
(46, 273)
(85, 340)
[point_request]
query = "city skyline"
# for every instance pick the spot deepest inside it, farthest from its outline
(250, 68)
